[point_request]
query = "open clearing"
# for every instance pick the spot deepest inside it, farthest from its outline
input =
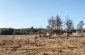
(28, 45)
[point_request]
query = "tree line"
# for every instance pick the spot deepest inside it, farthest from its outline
(23, 31)
(55, 25)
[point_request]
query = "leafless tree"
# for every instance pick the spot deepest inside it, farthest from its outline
(80, 28)
(51, 23)
(58, 22)
(69, 26)
(55, 24)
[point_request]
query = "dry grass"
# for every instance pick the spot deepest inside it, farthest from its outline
(28, 45)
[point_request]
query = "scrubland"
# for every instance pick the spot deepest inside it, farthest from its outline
(35, 45)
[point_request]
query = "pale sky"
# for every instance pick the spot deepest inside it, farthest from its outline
(27, 13)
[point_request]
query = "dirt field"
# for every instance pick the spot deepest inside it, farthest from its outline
(29, 45)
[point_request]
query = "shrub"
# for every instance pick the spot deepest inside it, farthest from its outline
(6, 31)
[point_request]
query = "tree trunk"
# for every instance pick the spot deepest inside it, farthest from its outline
(67, 34)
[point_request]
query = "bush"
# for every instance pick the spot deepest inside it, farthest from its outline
(6, 31)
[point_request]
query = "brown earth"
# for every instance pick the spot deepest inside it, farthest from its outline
(34, 45)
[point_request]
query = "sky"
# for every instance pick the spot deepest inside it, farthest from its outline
(28, 13)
